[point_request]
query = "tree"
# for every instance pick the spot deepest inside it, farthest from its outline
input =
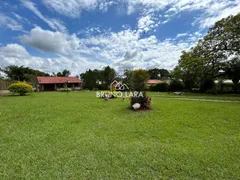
(109, 74)
(64, 73)
(158, 73)
(177, 73)
(216, 51)
(233, 72)
(15, 73)
(138, 79)
(21, 73)
(89, 79)
(191, 68)
(222, 44)
(59, 74)
(176, 85)
(127, 76)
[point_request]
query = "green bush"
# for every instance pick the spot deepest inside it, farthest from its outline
(176, 85)
(207, 84)
(65, 89)
(160, 87)
(152, 88)
(20, 87)
(226, 87)
(211, 91)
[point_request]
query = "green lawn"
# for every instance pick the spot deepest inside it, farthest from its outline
(78, 136)
(189, 95)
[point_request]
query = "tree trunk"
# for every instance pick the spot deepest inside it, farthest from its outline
(235, 82)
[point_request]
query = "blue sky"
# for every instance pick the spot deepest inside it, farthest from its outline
(86, 34)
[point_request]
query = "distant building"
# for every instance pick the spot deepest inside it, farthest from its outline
(152, 82)
(54, 83)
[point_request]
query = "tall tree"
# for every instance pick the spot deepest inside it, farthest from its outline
(21, 73)
(138, 79)
(89, 79)
(92, 79)
(222, 45)
(216, 51)
(158, 73)
(127, 76)
(64, 73)
(109, 74)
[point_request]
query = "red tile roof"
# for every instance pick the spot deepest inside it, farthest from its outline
(53, 80)
(153, 81)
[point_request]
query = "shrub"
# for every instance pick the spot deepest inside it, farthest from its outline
(224, 87)
(211, 91)
(176, 85)
(162, 87)
(206, 85)
(20, 87)
(101, 87)
(144, 101)
(152, 88)
(65, 89)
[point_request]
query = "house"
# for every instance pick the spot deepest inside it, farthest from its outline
(152, 82)
(54, 83)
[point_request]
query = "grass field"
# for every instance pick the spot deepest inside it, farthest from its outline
(78, 136)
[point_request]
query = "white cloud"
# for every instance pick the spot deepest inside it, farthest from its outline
(53, 23)
(14, 50)
(15, 54)
(73, 8)
(182, 35)
(10, 23)
(124, 49)
(146, 23)
(212, 10)
(53, 42)
(221, 11)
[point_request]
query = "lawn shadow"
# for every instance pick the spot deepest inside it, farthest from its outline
(14, 95)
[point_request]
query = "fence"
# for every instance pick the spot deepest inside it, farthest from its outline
(4, 84)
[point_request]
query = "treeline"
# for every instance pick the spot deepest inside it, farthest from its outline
(215, 57)
(21, 73)
(101, 79)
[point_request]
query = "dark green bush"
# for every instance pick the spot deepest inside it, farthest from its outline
(152, 88)
(226, 87)
(101, 87)
(206, 85)
(160, 87)
(20, 87)
(211, 91)
(176, 85)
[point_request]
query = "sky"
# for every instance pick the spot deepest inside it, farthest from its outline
(53, 35)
